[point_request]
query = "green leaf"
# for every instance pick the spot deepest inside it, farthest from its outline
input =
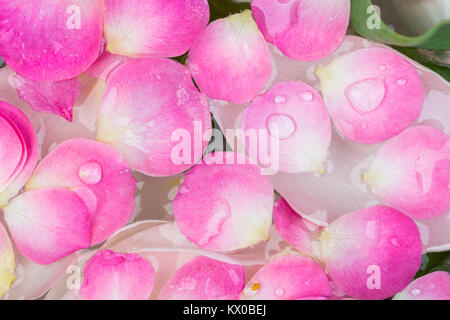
(363, 16)
(435, 261)
(223, 8)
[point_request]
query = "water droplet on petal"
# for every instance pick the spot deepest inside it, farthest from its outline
(395, 242)
(415, 291)
(401, 82)
(279, 292)
(307, 96)
(281, 125)
(279, 99)
(366, 95)
(90, 172)
(382, 67)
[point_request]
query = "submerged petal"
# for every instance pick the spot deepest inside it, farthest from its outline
(154, 116)
(50, 40)
(98, 175)
(204, 278)
(230, 59)
(156, 28)
(303, 29)
(48, 224)
(223, 205)
(411, 172)
(372, 253)
(117, 276)
(289, 277)
(373, 94)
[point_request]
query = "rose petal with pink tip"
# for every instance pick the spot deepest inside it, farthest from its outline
(303, 29)
(48, 224)
(204, 278)
(372, 253)
(295, 230)
(154, 116)
(295, 115)
(373, 94)
(230, 59)
(433, 286)
(18, 151)
(46, 40)
(117, 276)
(411, 172)
(156, 28)
(98, 175)
(224, 206)
(7, 262)
(288, 277)
(56, 97)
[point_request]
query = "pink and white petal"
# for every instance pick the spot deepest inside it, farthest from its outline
(288, 277)
(372, 253)
(433, 286)
(155, 28)
(230, 59)
(295, 230)
(411, 172)
(204, 278)
(57, 97)
(117, 276)
(98, 175)
(225, 205)
(295, 115)
(18, 148)
(48, 224)
(7, 262)
(105, 64)
(154, 116)
(50, 41)
(372, 103)
(304, 30)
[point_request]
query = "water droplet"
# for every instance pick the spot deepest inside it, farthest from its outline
(281, 125)
(401, 82)
(90, 172)
(415, 291)
(366, 95)
(279, 99)
(382, 67)
(307, 96)
(279, 292)
(395, 242)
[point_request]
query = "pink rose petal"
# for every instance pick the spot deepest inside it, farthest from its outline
(154, 116)
(411, 172)
(105, 64)
(117, 276)
(48, 224)
(295, 115)
(433, 286)
(303, 29)
(156, 28)
(224, 206)
(98, 175)
(56, 97)
(372, 253)
(46, 40)
(288, 277)
(203, 278)
(7, 262)
(295, 230)
(230, 59)
(18, 151)
(373, 94)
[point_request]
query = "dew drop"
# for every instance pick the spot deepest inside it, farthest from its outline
(307, 96)
(279, 292)
(90, 172)
(395, 242)
(415, 291)
(366, 95)
(279, 99)
(401, 82)
(382, 67)
(281, 125)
